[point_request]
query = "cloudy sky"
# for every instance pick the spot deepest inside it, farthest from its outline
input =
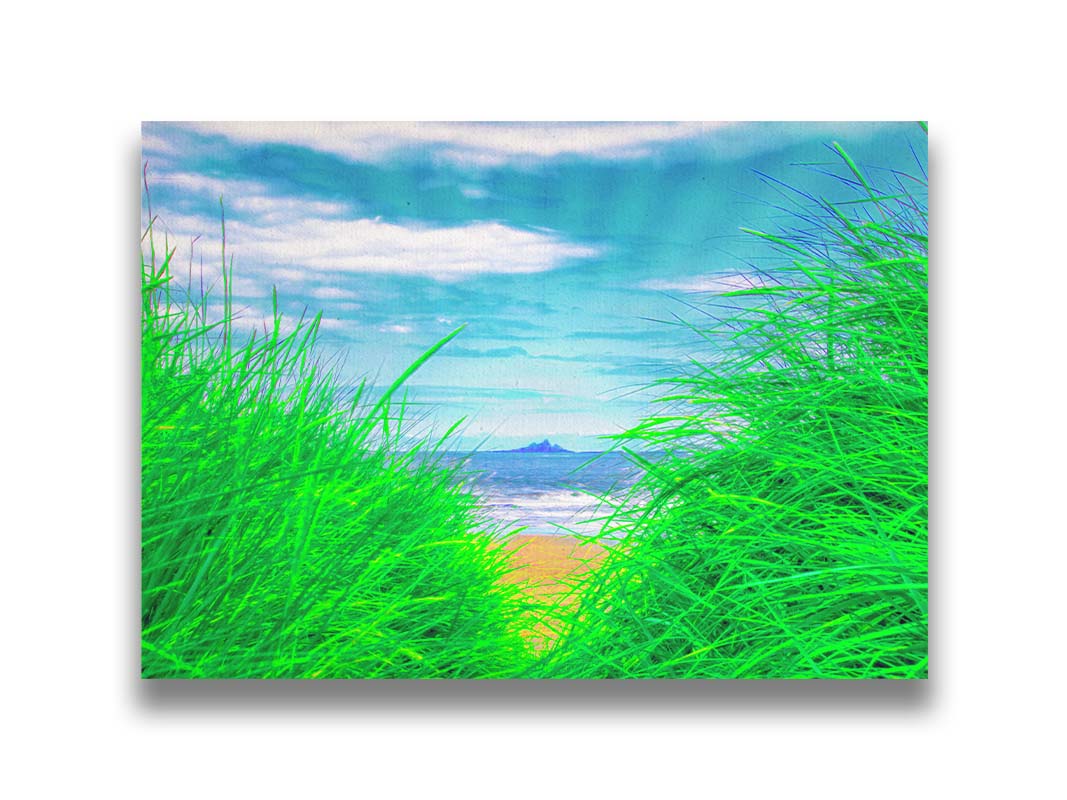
(565, 249)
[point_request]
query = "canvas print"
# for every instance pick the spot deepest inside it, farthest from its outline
(534, 400)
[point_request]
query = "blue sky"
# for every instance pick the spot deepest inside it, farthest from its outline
(566, 249)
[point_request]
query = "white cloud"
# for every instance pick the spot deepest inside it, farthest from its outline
(287, 274)
(708, 283)
(332, 293)
(374, 246)
(395, 329)
(197, 183)
(153, 143)
(334, 324)
(250, 199)
(479, 144)
(274, 209)
(244, 286)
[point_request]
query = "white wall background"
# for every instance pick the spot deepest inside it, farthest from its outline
(77, 82)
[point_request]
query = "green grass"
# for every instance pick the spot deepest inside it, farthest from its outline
(786, 531)
(287, 536)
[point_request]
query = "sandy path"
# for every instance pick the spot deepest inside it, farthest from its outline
(542, 565)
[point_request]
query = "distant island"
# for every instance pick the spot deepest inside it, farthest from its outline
(539, 447)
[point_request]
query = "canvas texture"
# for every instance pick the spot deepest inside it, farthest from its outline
(534, 400)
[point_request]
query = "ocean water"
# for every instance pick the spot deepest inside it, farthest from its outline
(550, 493)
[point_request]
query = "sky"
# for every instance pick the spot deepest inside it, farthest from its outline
(567, 252)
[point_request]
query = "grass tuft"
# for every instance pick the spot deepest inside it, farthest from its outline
(784, 534)
(284, 536)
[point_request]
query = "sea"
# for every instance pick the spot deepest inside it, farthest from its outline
(551, 493)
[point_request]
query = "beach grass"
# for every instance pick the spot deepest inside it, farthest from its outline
(286, 534)
(782, 530)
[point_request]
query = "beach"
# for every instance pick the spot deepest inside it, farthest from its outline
(543, 566)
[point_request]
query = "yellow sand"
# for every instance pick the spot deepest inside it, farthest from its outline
(542, 567)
